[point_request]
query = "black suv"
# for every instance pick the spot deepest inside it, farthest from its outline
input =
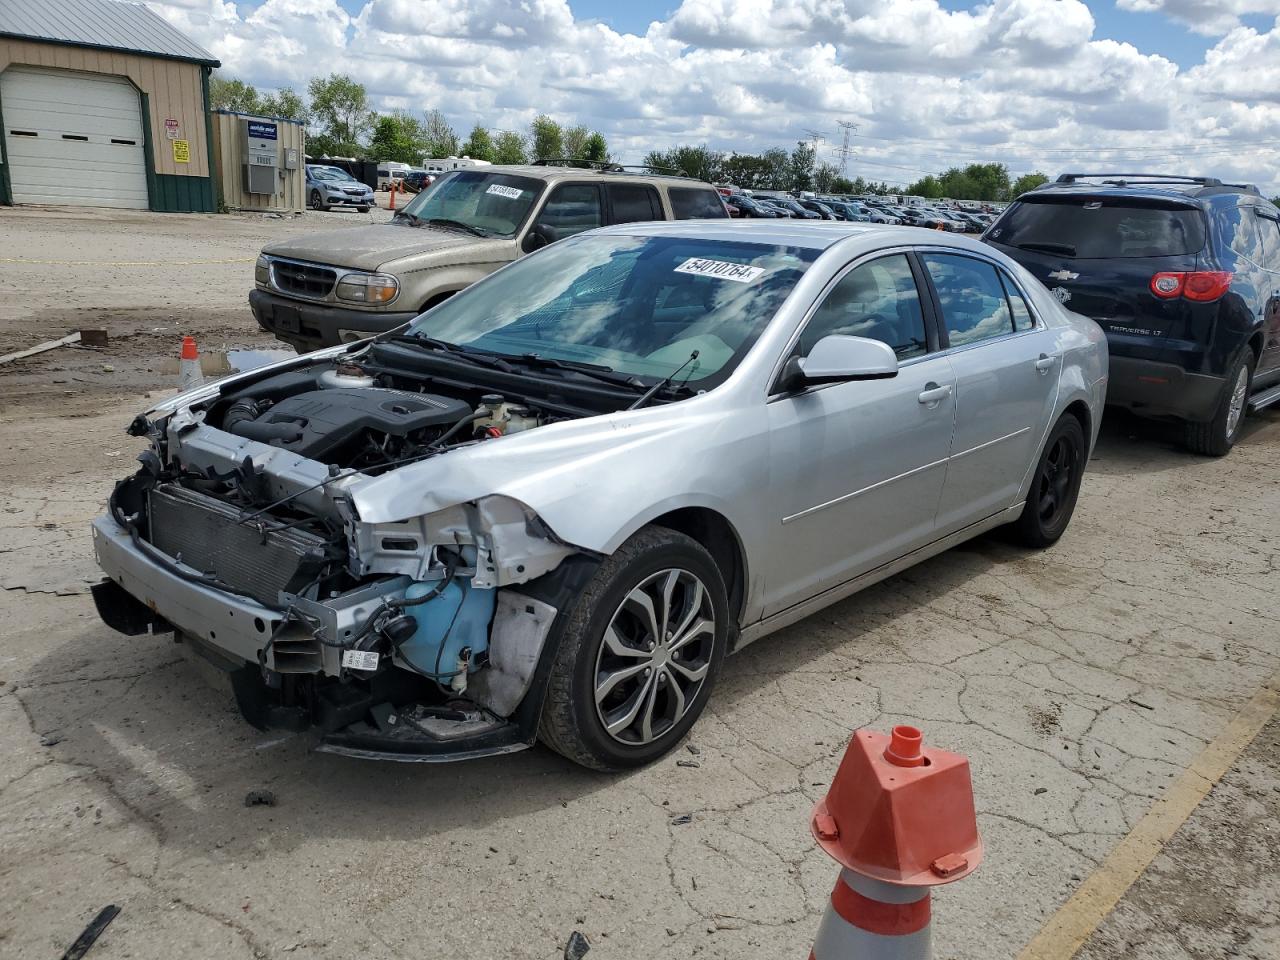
(1183, 274)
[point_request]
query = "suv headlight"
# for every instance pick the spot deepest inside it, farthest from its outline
(368, 288)
(262, 270)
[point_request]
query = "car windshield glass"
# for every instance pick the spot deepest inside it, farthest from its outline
(1102, 228)
(328, 173)
(491, 204)
(634, 304)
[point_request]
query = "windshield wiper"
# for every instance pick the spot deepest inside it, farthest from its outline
(592, 370)
(457, 225)
(478, 357)
(1047, 247)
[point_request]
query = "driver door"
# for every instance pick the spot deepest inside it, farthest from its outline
(857, 468)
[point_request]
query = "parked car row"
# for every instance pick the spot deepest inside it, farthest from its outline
(856, 210)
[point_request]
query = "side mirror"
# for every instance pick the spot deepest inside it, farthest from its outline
(535, 239)
(837, 359)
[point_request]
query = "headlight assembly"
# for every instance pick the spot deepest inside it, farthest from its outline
(262, 270)
(378, 288)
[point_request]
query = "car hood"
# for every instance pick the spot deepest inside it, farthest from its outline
(367, 248)
(591, 481)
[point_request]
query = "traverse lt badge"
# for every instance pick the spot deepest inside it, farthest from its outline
(1064, 275)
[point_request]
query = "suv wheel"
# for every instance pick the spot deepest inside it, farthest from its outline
(1217, 436)
(1055, 486)
(640, 653)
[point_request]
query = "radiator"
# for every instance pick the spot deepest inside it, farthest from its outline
(202, 533)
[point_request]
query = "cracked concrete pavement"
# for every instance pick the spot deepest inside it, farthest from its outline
(1079, 681)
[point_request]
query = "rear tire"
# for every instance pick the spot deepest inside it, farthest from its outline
(1055, 486)
(1216, 437)
(620, 696)
(363, 209)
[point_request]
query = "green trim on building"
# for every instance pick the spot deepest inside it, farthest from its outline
(6, 188)
(178, 194)
(130, 51)
(214, 183)
(148, 146)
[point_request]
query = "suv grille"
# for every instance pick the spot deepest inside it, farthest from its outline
(304, 280)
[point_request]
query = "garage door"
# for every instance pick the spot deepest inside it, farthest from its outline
(73, 138)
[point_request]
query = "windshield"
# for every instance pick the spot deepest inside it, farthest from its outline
(632, 304)
(330, 173)
(492, 204)
(1095, 228)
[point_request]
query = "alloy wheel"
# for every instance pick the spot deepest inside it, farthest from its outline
(1239, 394)
(654, 656)
(1055, 479)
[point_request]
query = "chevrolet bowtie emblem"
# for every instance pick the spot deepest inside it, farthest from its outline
(1064, 275)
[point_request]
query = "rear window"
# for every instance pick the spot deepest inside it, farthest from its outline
(694, 204)
(1094, 229)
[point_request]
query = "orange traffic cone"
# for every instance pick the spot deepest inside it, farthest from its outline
(189, 373)
(393, 195)
(899, 819)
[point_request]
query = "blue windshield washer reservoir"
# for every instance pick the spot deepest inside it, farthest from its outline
(457, 619)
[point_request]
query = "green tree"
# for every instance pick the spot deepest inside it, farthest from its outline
(1028, 181)
(231, 94)
(397, 136)
(824, 176)
(545, 138)
(691, 161)
(575, 141)
(509, 148)
(439, 138)
(597, 148)
(286, 103)
(776, 173)
(802, 161)
(340, 108)
(479, 145)
(841, 184)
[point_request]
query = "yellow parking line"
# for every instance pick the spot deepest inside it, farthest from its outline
(1069, 928)
(125, 263)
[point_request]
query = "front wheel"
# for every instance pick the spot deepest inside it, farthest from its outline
(640, 653)
(1055, 486)
(317, 201)
(1216, 437)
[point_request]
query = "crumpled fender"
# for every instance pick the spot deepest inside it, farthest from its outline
(593, 482)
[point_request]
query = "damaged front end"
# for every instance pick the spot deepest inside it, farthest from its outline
(423, 638)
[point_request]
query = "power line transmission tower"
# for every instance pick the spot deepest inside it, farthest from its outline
(844, 151)
(815, 137)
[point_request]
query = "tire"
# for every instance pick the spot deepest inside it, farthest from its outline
(648, 679)
(317, 202)
(1055, 486)
(363, 209)
(1216, 437)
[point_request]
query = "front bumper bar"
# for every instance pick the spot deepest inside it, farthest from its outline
(310, 326)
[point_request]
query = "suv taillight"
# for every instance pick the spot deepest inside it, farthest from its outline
(1200, 285)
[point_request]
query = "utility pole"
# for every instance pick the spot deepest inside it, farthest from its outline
(844, 151)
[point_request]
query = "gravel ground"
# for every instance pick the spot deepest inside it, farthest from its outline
(1080, 682)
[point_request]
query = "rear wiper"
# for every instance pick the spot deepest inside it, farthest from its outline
(592, 370)
(457, 225)
(477, 357)
(1065, 248)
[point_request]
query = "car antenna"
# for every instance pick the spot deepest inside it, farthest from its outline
(648, 394)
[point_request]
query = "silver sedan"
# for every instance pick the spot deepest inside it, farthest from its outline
(553, 504)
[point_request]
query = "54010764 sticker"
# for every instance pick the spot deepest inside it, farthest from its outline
(721, 269)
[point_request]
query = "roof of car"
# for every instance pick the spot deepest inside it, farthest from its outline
(1147, 185)
(549, 172)
(806, 234)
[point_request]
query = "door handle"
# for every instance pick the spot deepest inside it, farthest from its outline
(1045, 363)
(932, 393)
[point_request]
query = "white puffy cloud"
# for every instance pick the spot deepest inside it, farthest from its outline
(1026, 82)
(1210, 17)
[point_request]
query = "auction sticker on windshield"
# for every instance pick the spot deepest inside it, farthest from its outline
(738, 272)
(502, 190)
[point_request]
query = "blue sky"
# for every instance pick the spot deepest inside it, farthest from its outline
(1161, 85)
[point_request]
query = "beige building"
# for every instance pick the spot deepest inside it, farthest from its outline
(259, 162)
(103, 103)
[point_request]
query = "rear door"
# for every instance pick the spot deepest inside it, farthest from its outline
(633, 202)
(1007, 364)
(1269, 229)
(1098, 253)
